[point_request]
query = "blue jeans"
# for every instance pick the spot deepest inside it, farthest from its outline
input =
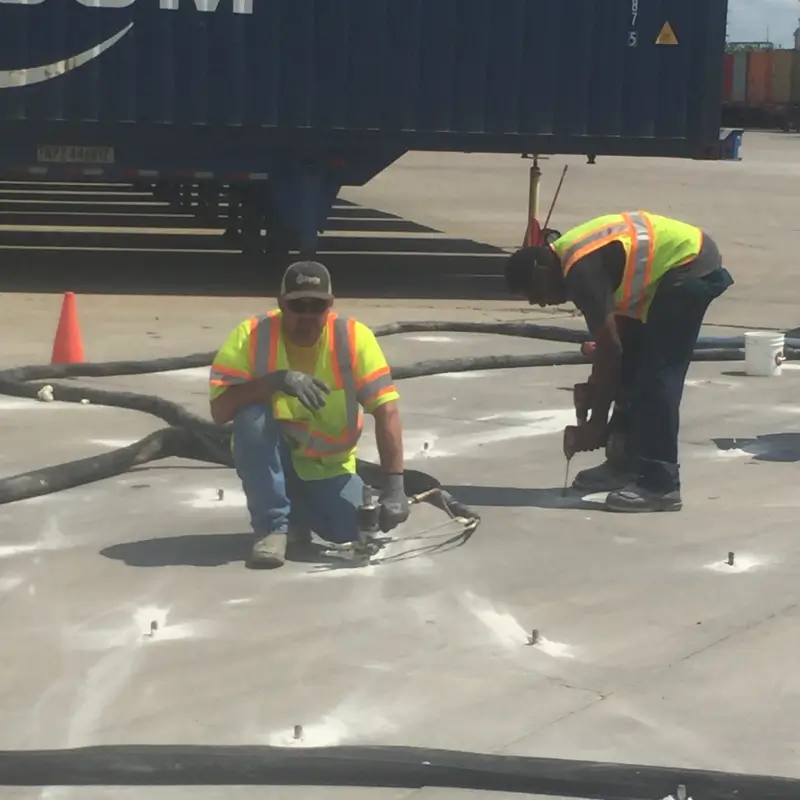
(276, 495)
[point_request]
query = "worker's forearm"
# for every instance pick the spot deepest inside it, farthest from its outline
(605, 383)
(389, 438)
(225, 407)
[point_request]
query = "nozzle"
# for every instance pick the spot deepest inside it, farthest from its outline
(368, 514)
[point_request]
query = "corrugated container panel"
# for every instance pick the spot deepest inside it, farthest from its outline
(782, 68)
(495, 67)
(795, 95)
(759, 76)
(727, 78)
(739, 86)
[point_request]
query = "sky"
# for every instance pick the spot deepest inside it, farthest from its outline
(748, 20)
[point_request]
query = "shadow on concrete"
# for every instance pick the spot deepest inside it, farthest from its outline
(219, 549)
(516, 497)
(112, 239)
(203, 550)
(776, 447)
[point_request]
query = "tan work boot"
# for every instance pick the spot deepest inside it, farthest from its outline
(269, 551)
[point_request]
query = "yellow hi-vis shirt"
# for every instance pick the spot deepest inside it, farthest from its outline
(348, 358)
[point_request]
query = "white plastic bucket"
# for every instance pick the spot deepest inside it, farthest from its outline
(763, 353)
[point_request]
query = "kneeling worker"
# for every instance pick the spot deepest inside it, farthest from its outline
(294, 382)
(643, 283)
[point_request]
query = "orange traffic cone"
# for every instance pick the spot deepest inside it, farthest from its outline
(533, 234)
(68, 345)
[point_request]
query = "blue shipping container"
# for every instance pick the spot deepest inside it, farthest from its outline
(540, 76)
(306, 96)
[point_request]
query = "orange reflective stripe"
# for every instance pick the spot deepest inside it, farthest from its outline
(253, 341)
(628, 275)
(325, 437)
(333, 349)
(639, 265)
(595, 244)
(377, 395)
(375, 385)
(591, 241)
(351, 339)
(274, 341)
(372, 376)
(230, 373)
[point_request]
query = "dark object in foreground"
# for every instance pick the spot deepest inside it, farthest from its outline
(403, 767)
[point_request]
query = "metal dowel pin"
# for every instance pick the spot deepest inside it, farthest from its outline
(566, 479)
(534, 637)
(730, 559)
(153, 628)
(220, 494)
(298, 732)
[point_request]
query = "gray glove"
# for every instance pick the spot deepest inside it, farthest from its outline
(394, 504)
(310, 391)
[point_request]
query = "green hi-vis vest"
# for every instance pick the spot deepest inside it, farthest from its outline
(653, 245)
(323, 442)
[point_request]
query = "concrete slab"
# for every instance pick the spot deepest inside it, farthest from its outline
(651, 647)
(750, 207)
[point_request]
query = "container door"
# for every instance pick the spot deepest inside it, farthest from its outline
(727, 78)
(795, 88)
(759, 77)
(782, 76)
(739, 87)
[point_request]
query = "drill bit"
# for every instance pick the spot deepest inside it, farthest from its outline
(570, 433)
(566, 479)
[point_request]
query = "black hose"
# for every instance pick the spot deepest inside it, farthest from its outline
(391, 767)
(192, 437)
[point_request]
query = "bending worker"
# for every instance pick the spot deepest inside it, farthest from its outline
(294, 383)
(643, 283)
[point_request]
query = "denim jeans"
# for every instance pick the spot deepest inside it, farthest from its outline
(276, 496)
(656, 358)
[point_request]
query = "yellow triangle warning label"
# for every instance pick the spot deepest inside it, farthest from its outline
(667, 35)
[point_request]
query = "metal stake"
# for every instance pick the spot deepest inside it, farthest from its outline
(566, 479)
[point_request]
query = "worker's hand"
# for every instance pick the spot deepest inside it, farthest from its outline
(394, 504)
(310, 391)
(585, 438)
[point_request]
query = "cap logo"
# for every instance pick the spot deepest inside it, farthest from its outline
(308, 279)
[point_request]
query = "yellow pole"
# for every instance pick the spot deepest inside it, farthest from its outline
(533, 192)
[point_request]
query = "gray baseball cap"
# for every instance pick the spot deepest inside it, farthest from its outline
(307, 279)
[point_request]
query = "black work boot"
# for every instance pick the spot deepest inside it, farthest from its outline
(299, 534)
(657, 488)
(616, 472)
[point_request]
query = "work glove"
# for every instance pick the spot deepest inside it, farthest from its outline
(394, 504)
(310, 391)
(585, 438)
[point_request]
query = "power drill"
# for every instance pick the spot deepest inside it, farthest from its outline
(582, 400)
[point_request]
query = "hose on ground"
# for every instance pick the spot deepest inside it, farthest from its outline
(391, 767)
(192, 437)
